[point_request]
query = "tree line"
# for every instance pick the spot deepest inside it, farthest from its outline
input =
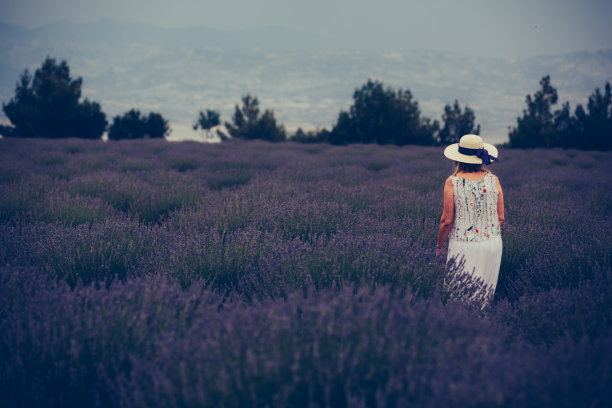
(48, 105)
(589, 129)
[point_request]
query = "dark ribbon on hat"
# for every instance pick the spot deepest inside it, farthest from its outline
(481, 153)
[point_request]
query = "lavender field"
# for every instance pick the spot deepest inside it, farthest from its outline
(149, 273)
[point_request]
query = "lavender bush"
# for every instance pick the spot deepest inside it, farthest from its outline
(253, 274)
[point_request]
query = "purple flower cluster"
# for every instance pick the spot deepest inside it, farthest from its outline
(142, 273)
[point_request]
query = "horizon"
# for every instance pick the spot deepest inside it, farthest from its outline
(304, 89)
(474, 27)
(491, 30)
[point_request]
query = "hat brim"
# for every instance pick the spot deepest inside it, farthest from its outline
(452, 152)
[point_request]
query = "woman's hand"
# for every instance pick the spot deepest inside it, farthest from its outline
(447, 219)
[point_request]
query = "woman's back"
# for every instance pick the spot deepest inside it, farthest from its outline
(475, 199)
(473, 212)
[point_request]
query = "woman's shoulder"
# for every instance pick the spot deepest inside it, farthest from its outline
(450, 181)
(452, 178)
(493, 178)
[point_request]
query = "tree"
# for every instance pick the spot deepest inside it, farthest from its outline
(207, 121)
(47, 105)
(565, 127)
(457, 124)
(157, 127)
(248, 124)
(133, 125)
(383, 116)
(587, 129)
(312, 136)
(595, 127)
(536, 127)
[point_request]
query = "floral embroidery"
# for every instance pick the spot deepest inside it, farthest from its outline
(475, 209)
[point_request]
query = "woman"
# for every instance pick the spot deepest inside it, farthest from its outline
(473, 211)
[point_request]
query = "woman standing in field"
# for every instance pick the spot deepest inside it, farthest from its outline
(473, 211)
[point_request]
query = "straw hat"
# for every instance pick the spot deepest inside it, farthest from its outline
(471, 149)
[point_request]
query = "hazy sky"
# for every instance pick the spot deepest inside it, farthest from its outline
(479, 27)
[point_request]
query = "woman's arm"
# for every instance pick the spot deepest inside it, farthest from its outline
(448, 216)
(500, 202)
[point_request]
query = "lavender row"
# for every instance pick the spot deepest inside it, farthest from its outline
(128, 209)
(149, 342)
(151, 273)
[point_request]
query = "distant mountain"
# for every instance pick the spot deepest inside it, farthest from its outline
(12, 31)
(305, 79)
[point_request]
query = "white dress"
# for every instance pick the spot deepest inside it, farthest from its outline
(476, 235)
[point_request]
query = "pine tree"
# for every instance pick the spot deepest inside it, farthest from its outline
(535, 128)
(134, 125)
(47, 105)
(595, 127)
(457, 124)
(383, 116)
(248, 124)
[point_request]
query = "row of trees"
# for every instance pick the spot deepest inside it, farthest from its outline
(48, 105)
(247, 123)
(134, 125)
(378, 115)
(586, 129)
(384, 116)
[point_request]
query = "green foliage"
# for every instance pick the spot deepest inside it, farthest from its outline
(207, 121)
(457, 124)
(535, 128)
(383, 116)
(18, 197)
(595, 127)
(72, 210)
(248, 124)
(155, 210)
(47, 105)
(133, 125)
(540, 127)
(312, 136)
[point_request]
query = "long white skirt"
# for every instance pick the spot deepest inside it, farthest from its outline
(481, 259)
